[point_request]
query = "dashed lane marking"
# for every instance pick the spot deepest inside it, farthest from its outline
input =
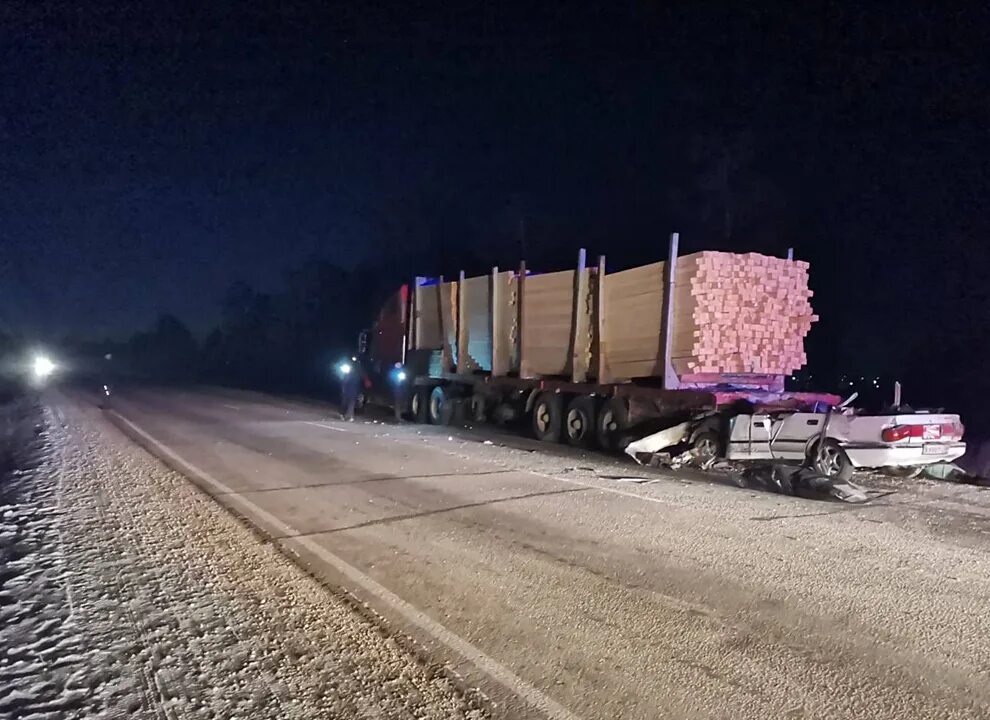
(324, 425)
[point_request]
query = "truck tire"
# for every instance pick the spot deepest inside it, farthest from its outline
(832, 461)
(441, 407)
(477, 409)
(613, 419)
(419, 405)
(548, 421)
(579, 422)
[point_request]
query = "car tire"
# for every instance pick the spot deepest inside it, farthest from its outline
(611, 423)
(707, 447)
(579, 422)
(832, 461)
(548, 421)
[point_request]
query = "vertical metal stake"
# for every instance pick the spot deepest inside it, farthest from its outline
(670, 380)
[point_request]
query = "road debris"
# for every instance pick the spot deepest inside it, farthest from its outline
(645, 449)
(790, 479)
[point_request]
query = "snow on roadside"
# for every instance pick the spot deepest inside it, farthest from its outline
(41, 650)
(124, 592)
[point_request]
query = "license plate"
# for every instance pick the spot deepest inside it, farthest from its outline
(931, 432)
(932, 449)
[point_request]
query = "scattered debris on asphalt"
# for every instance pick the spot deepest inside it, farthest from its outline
(953, 473)
(790, 479)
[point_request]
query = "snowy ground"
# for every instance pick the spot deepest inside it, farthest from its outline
(124, 592)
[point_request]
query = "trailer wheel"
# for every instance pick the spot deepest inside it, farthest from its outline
(419, 405)
(441, 408)
(478, 409)
(579, 423)
(613, 419)
(548, 417)
(831, 461)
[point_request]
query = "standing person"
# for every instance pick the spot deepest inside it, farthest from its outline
(398, 390)
(350, 388)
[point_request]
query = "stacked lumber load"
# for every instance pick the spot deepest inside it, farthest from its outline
(476, 318)
(632, 320)
(733, 314)
(505, 348)
(740, 313)
(548, 315)
(558, 321)
(434, 329)
(487, 305)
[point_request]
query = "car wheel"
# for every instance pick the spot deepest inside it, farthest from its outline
(613, 419)
(547, 417)
(579, 422)
(707, 448)
(831, 461)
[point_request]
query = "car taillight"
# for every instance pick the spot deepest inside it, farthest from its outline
(897, 432)
(931, 431)
(953, 430)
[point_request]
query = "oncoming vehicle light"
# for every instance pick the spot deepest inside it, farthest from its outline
(42, 367)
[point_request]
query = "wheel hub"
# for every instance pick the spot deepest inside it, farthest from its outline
(543, 418)
(828, 461)
(706, 449)
(608, 421)
(575, 424)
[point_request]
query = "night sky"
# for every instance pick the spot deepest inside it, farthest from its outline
(153, 153)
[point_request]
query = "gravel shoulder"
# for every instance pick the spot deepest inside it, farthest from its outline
(126, 592)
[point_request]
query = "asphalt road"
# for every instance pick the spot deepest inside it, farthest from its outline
(561, 592)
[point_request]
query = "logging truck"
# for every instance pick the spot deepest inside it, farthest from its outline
(583, 354)
(596, 358)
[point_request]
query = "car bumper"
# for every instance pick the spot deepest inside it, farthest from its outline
(902, 456)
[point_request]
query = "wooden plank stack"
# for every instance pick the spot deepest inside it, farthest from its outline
(633, 318)
(740, 313)
(435, 313)
(477, 331)
(548, 318)
(733, 314)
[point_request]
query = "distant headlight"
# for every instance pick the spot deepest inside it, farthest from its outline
(42, 367)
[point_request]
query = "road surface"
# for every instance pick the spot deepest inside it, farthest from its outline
(559, 590)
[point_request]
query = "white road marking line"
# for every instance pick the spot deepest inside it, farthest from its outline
(492, 667)
(324, 425)
(232, 407)
(614, 491)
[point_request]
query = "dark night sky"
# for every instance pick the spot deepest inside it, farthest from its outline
(156, 152)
